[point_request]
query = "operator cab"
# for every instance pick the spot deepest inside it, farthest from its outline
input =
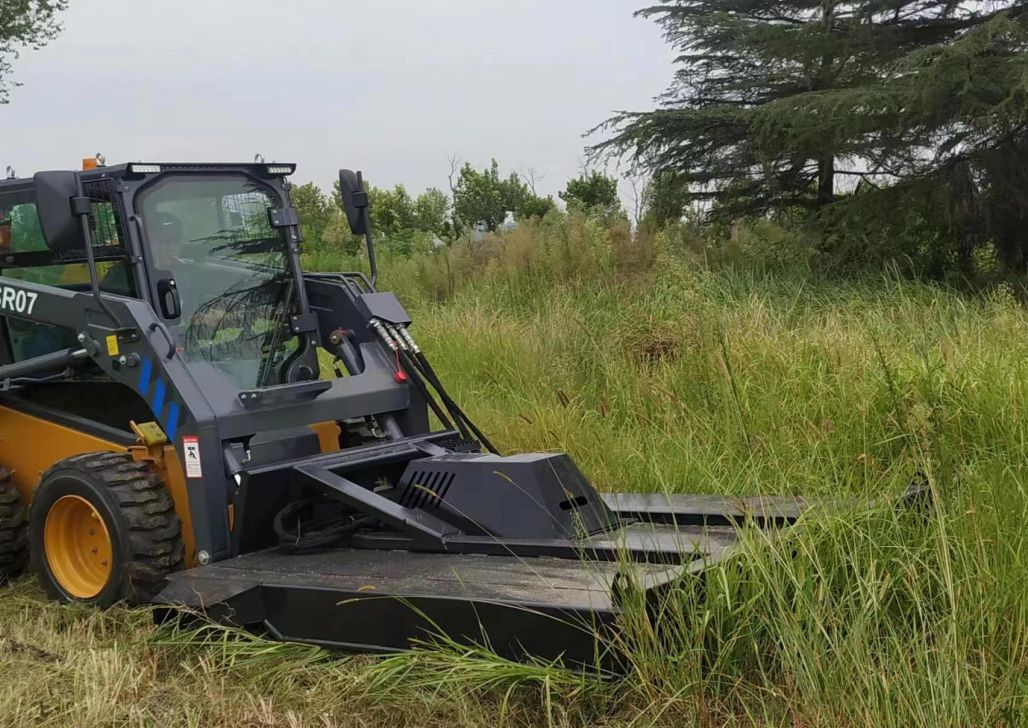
(196, 241)
(201, 243)
(221, 272)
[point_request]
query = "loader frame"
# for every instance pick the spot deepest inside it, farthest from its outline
(134, 346)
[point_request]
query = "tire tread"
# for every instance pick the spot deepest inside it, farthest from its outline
(154, 534)
(14, 529)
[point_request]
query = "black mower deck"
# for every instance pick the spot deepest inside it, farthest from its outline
(517, 598)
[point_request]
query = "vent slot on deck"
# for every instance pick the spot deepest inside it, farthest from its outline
(573, 504)
(426, 489)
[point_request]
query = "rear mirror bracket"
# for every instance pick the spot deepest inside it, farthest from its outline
(356, 205)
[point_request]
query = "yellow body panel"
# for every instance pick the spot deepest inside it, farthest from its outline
(29, 445)
(175, 478)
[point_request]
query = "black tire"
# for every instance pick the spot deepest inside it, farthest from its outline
(14, 530)
(144, 530)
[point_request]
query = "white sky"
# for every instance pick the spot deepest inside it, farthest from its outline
(394, 88)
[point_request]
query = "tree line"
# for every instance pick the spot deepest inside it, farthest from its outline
(479, 201)
(890, 128)
(896, 127)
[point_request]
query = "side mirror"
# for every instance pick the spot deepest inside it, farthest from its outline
(355, 200)
(61, 228)
(168, 298)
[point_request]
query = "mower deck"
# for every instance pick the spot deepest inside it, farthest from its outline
(546, 599)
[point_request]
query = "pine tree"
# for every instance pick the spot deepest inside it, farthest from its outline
(788, 104)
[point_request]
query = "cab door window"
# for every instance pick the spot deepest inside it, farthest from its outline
(22, 241)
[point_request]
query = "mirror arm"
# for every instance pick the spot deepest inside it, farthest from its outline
(371, 247)
(368, 236)
(81, 207)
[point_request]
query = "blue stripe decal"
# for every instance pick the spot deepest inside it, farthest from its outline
(158, 398)
(145, 370)
(172, 425)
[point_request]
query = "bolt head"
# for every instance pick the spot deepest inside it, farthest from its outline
(203, 557)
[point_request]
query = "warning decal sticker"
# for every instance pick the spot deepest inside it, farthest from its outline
(191, 446)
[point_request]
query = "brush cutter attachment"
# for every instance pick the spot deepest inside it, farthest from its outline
(517, 554)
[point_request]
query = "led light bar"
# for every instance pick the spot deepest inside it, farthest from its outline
(145, 168)
(285, 169)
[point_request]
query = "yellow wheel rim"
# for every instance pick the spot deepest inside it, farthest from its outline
(78, 547)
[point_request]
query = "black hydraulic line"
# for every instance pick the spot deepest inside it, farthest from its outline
(313, 533)
(438, 385)
(408, 353)
(414, 365)
(451, 405)
(419, 384)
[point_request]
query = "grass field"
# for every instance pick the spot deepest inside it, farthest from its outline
(661, 371)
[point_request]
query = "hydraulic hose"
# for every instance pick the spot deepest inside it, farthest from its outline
(313, 533)
(419, 384)
(399, 340)
(458, 414)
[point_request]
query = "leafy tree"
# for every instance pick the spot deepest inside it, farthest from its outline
(959, 171)
(316, 210)
(534, 206)
(392, 211)
(775, 100)
(593, 192)
(25, 24)
(337, 235)
(485, 197)
(432, 213)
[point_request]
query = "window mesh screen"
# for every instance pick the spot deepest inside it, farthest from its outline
(106, 222)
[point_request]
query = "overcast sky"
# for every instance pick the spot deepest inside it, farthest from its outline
(394, 88)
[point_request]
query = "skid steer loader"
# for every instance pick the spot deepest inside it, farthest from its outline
(170, 435)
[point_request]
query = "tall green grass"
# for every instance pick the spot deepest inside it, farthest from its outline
(679, 364)
(671, 364)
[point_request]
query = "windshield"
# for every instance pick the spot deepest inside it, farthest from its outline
(212, 236)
